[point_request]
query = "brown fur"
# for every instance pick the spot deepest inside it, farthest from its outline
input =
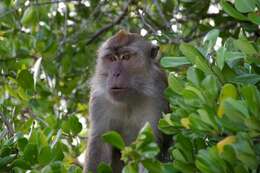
(141, 99)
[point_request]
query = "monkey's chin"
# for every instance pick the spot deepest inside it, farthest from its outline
(121, 95)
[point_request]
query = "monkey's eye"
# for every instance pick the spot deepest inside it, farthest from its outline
(125, 57)
(111, 58)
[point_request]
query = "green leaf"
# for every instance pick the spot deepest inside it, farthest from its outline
(245, 46)
(175, 83)
(72, 125)
(228, 8)
(153, 166)
(6, 160)
(114, 139)
(25, 80)
(211, 38)
(131, 168)
(36, 70)
(195, 76)
(195, 57)
(246, 79)
(75, 125)
(184, 167)
(57, 151)
(171, 62)
(22, 142)
(207, 118)
(29, 16)
(166, 125)
(208, 161)
(104, 168)
(254, 17)
(245, 6)
(252, 97)
(244, 151)
(211, 89)
(169, 168)
(45, 155)
(197, 92)
(220, 58)
(31, 153)
(57, 166)
(74, 169)
(21, 164)
(235, 115)
(184, 145)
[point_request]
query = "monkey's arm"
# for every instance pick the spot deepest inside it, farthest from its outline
(97, 150)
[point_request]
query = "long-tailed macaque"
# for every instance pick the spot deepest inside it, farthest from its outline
(126, 92)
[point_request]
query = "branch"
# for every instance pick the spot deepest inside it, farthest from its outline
(161, 14)
(22, 6)
(146, 23)
(7, 123)
(110, 25)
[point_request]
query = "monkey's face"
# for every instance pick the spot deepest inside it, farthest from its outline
(125, 63)
(122, 69)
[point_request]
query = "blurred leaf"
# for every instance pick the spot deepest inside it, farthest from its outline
(131, 168)
(29, 16)
(152, 166)
(171, 62)
(6, 160)
(45, 155)
(246, 79)
(175, 83)
(195, 57)
(22, 142)
(114, 139)
(31, 153)
(36, 70)
(228, 8)
(195, 76)
(245, 6)
(245, 46)
(254, 17)
(211, 38)
(208, 161)
(228, 140)
(25, 80)
(103, 168)
(227, 91)
(252, 97)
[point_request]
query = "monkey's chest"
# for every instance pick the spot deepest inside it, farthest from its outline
(129, 124)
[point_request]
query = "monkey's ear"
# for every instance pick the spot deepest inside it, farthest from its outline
(154, 51)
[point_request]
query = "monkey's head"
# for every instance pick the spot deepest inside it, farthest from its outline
(125, 67)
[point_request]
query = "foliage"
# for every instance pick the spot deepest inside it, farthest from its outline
(47, 52)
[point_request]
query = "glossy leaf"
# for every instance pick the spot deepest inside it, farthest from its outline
(114, 139)
(228, 8)
(171, 62)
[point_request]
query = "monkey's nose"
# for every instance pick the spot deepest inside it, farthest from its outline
(117, 74)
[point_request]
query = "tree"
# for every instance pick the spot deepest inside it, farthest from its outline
(210, 51)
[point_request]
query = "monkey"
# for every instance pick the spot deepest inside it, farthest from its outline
(126, 91)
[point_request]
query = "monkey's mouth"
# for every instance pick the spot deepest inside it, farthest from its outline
(118, 89)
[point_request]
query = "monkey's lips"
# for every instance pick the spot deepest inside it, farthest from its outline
(118, 89)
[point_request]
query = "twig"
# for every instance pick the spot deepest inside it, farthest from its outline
(85, 25)
(146, 23)
(36, 4)
(7, 124)
(161, 14)
(110, 25)
(54, 2)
